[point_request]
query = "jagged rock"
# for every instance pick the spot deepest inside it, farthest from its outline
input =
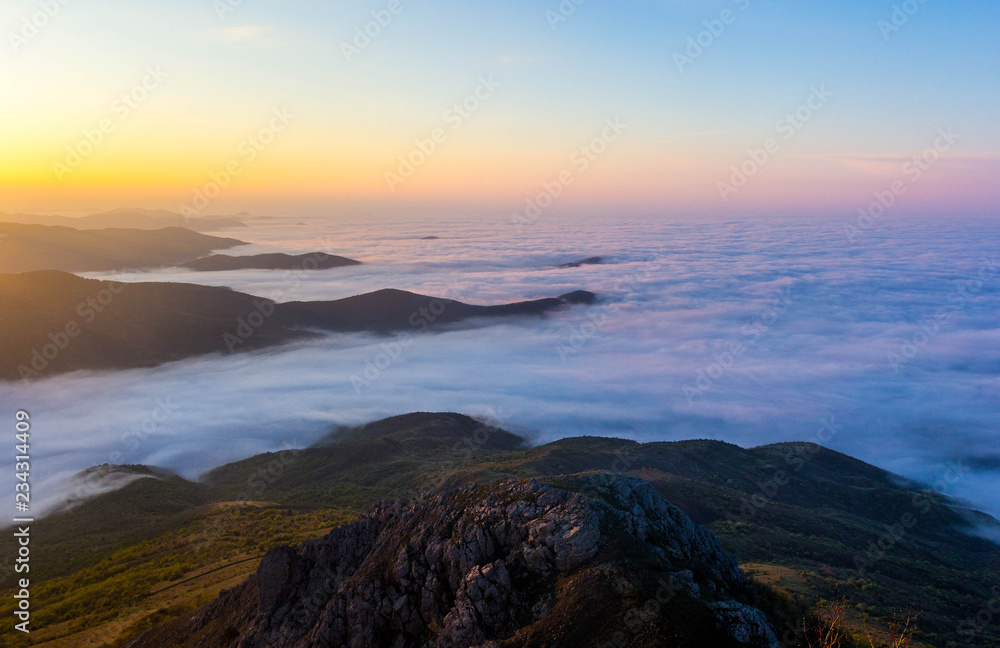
(747, 624)
(590, 560)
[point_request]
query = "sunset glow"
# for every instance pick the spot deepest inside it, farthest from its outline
(179, 89)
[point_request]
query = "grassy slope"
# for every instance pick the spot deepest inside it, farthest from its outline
(804, 537)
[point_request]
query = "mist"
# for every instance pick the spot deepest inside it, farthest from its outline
(747, 332)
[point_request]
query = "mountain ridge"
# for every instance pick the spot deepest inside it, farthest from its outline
(130, 218)
(273, 261)
(57, 322)
(27, 248)
(500, 564)
(803, 540)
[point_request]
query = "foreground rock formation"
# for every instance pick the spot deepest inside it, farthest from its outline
(580, 561)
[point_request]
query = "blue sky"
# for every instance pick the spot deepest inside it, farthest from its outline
(559, 81)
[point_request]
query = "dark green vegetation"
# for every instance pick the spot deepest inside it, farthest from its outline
(803, 519)
(24, 248)
(277, 261)
(57, 322)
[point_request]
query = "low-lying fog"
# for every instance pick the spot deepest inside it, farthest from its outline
(744, 332)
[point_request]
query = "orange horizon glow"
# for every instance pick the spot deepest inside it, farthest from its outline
(169, 96)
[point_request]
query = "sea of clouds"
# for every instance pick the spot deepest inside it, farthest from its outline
(751, 332)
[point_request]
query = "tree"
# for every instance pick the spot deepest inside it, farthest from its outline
(901, 630)
(826, 630)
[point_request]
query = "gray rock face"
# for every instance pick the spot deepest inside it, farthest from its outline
(508, 563)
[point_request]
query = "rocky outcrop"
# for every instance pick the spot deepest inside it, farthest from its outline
(579, 561)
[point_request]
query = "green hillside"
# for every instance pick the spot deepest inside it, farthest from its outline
(804, 520)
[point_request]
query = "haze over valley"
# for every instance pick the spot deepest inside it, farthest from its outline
(510, 324)
(819, 317)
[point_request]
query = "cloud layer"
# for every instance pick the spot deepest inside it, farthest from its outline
(744, 331)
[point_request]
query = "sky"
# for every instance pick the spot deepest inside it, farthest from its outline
(218, 106)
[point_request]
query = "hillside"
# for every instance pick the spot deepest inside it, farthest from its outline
(594, 260)
(56, 322)
(394, 310)
(804, 539)
(277, 261)
(25, 248)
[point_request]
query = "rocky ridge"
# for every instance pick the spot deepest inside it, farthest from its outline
(578, 561)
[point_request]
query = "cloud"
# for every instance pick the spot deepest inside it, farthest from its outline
(819, 319)
(889, 164)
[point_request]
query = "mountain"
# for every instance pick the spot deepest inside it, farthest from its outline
(514, 563)
(314, 261)
(394, 310)
(830, 527)
(56, 322)
(594, 260)
(24, 248)
(129, 218)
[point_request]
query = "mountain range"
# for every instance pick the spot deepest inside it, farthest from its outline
(276, 261)
(575, 539)
(24, 248)
(56, 322)
(130, 218)
(439, 529)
